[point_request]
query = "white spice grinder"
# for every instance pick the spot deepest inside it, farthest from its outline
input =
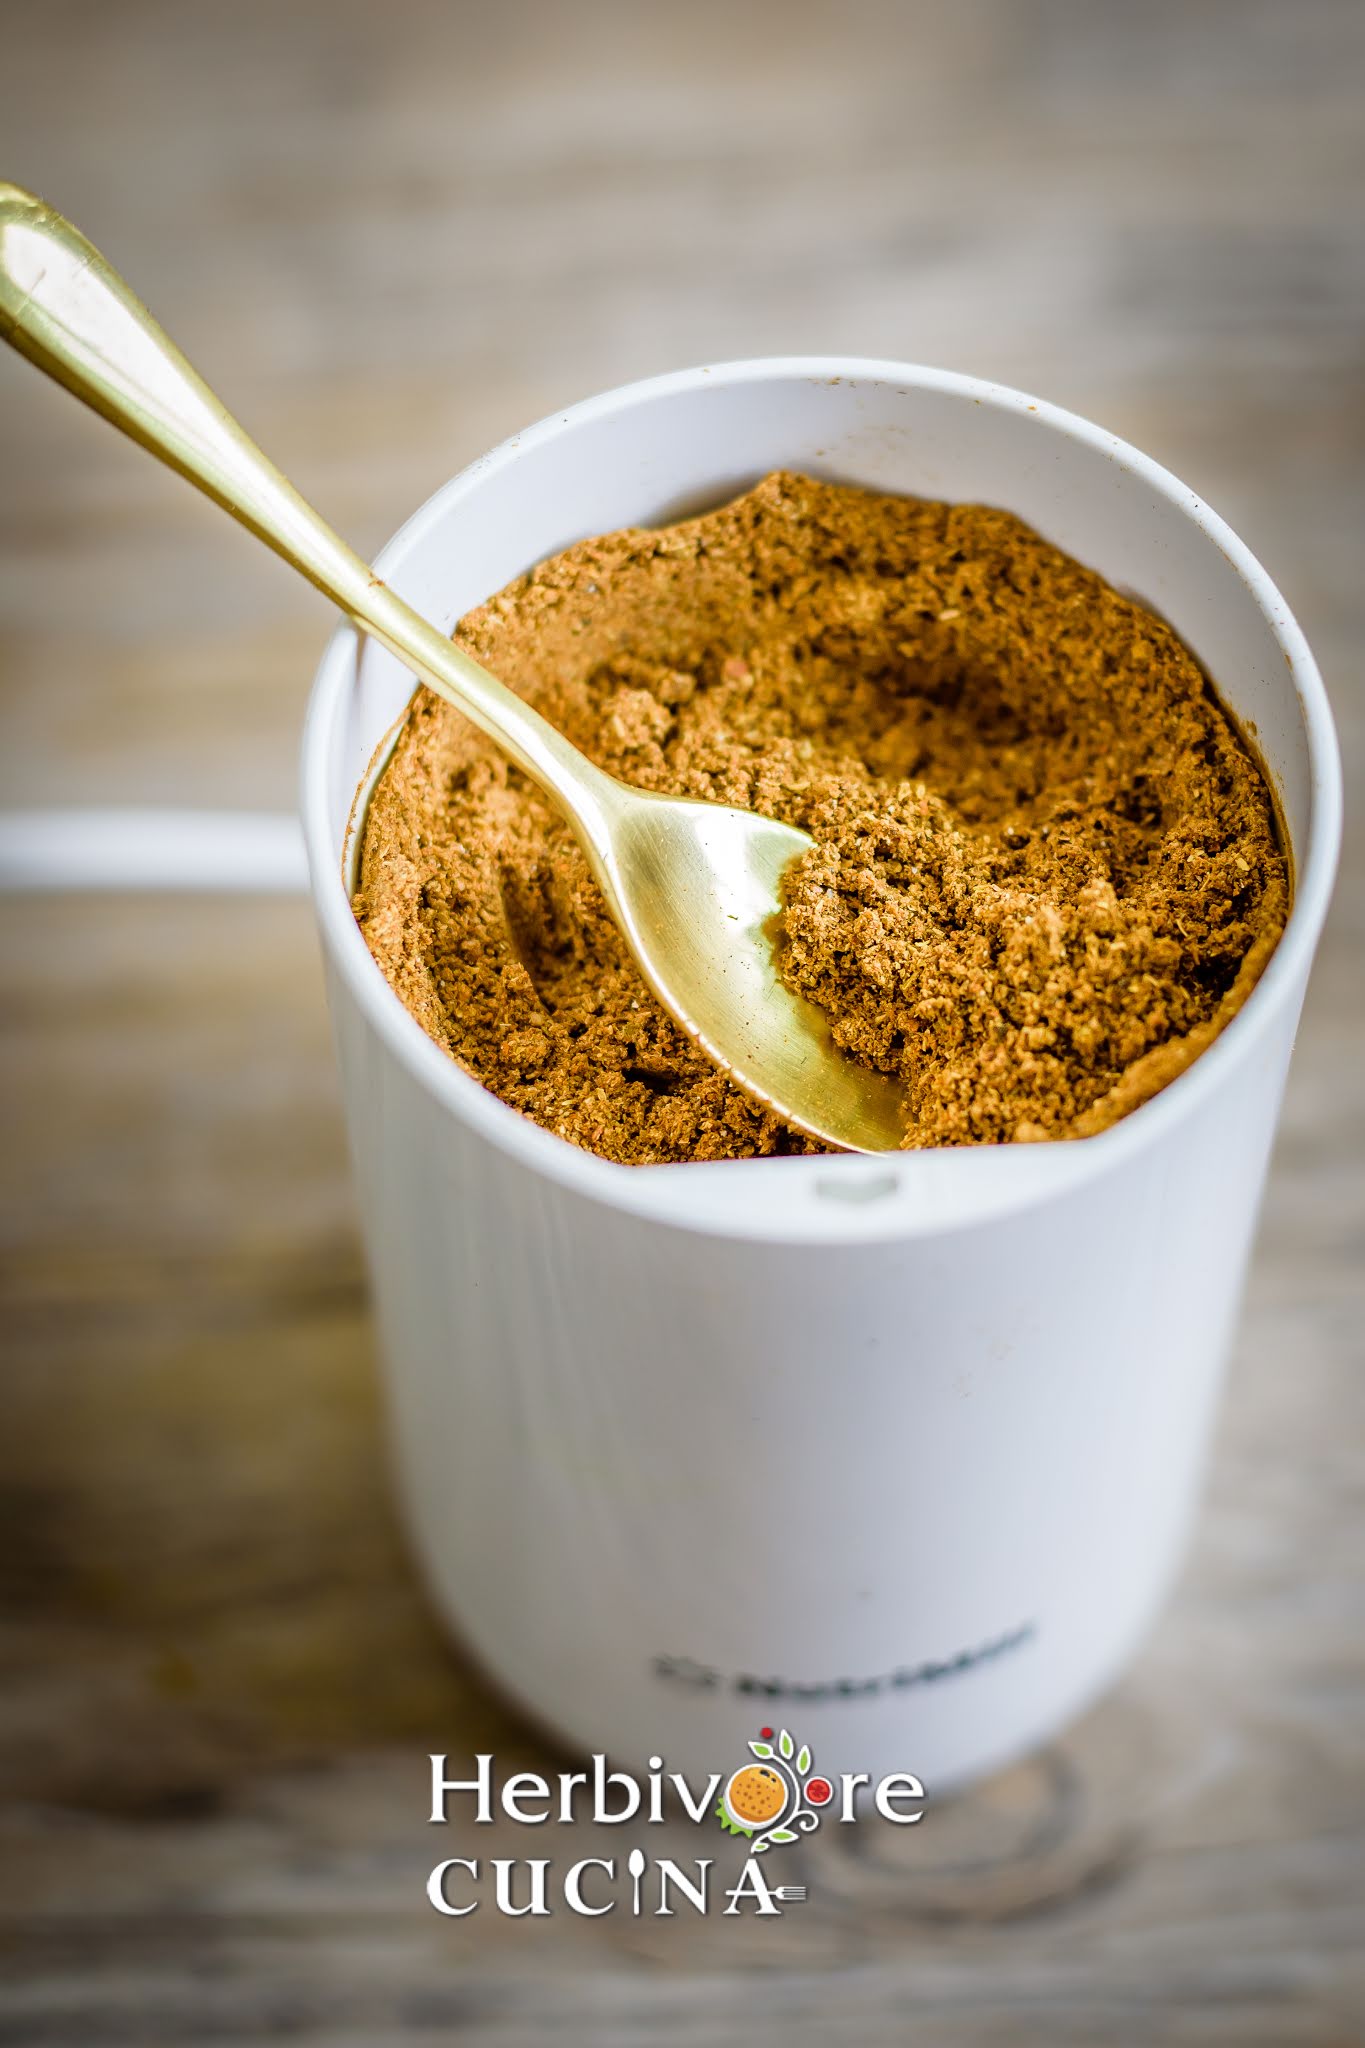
(903, 1449)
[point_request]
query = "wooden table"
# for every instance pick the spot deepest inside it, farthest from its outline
(394, 235)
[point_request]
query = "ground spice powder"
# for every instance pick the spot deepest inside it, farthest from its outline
(1046, 870)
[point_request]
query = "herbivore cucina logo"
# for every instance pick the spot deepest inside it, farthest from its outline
(771, 1801)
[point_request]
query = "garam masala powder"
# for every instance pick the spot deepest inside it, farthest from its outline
(1046, 870)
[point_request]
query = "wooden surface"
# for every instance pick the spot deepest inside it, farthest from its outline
(393, 235)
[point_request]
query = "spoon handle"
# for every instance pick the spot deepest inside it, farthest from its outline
(68, 311)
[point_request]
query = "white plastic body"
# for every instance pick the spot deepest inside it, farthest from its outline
(901, 1452)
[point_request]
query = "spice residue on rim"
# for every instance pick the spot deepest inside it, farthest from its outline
(1046, 872)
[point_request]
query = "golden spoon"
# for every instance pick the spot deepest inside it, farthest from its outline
(694, 887)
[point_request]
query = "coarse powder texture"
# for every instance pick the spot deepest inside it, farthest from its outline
(1046, 869)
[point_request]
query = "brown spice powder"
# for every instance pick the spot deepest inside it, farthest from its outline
(1046, 871)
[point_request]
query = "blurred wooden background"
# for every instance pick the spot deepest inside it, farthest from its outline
(392, 235)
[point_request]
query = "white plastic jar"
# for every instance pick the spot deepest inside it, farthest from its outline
(901, 1450)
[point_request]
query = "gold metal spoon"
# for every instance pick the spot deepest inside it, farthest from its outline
(694, 887)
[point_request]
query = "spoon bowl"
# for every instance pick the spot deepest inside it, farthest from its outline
(697, 891)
